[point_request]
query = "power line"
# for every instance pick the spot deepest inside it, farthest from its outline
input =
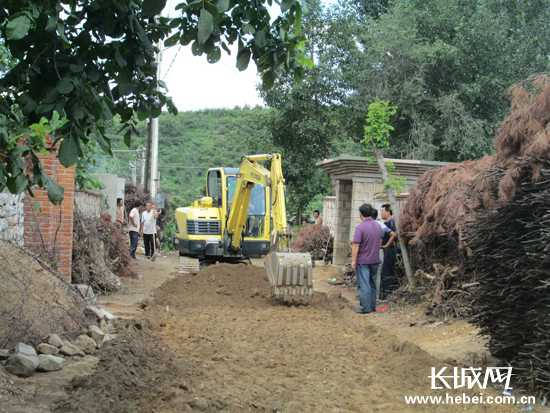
(237, 73)
(173, 60)
(183, 166)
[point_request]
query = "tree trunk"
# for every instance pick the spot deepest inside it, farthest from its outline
(148, 154)
(391, 198)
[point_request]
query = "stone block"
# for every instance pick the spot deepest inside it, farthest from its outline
(85, 343)
(86, 290)
(22, 364)
(4, 354)
(47, 349)
(98, 311)
(96, 334)
(25, 349)
(70, 350)
(106, 328)
(50, 363)
(55, 341)
(334, 295)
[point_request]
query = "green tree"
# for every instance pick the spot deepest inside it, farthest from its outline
(445, 64)
(376, 140)
(93, 60)
(304, 123)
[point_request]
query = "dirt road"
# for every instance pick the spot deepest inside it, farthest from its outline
(213, 341)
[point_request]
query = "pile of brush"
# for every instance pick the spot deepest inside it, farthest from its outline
(511, 258)
(496, 213)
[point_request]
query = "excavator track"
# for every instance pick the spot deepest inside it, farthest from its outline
(188, 264)
(290, 275)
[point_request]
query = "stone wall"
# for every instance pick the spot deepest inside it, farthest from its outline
(12, 217)
(89, 203)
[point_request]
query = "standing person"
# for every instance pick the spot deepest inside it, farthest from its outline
(318, 219)
(134, 227)
(390, 253)
(148, 230)
(386, 232)
(120, 211)
(365, 258)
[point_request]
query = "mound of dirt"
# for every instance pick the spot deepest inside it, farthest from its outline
(136, 373)
(262, 355)
(215, 285)
(34, 301)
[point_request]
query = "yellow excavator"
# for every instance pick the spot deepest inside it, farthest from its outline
(233, 224)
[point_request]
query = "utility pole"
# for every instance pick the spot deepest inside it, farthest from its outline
(142, 182)
(155, 142)
(148, 155)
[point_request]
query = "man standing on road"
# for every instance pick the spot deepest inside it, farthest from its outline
(133, 227)
(120, 212)
(318, 219)
(365, 258)
(148, 220)
(390, 253)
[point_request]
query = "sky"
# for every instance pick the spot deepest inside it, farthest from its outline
(195, 84)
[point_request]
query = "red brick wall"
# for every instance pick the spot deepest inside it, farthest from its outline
(49, 230)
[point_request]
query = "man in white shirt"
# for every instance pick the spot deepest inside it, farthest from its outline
(148, 220)
(133, 228)
(317, 216)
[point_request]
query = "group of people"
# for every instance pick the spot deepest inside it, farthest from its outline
(370, 238)
(144, 226)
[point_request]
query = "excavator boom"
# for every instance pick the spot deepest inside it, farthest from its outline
(289, 273)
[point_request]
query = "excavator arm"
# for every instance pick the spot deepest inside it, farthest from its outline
(289, 273)
(251, 173)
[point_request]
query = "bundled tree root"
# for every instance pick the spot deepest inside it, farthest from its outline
(316, 240)
(510, 255)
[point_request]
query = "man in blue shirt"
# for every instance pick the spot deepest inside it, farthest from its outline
(365, 258)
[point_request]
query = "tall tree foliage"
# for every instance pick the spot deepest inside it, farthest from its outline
(445, 64)
(304, 122)
(90, 60)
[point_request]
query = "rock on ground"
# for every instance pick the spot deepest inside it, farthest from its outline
(21, 348)
(4, 354)
(198, 403)
(97, 335)
(50, 363)
(85, 343)
(85, 290)
(47, 349)
(22, 364)
(69, 350)
(106, 328)
(55, 341)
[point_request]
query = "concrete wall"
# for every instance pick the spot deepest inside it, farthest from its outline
(12, 217)
(89, 203)
(354, 182)
(343, 190)
(114, 188)
(329, 213)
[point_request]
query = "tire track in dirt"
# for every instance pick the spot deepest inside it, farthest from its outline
(257, 354)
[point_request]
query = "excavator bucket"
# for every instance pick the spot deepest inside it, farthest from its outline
(290, 273)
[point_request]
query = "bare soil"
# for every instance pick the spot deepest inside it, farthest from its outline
(214, 341)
